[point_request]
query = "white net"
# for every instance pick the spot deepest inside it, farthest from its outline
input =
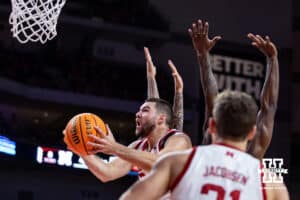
(35, 20)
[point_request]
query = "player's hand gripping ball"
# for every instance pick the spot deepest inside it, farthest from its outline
(77, 131)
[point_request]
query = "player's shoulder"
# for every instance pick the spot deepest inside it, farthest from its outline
(176, 132)
(175, 158)
(179, 136)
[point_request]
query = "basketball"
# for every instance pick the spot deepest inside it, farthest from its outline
(78, 129)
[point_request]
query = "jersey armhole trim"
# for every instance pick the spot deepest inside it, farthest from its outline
(138, 144)
(185, 168)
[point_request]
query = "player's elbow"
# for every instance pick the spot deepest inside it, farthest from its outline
(105, 179)
(268, 105)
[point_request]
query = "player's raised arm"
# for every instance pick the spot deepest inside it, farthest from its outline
(152, 91)
(202, 45)
(268, 99)
(178, 111)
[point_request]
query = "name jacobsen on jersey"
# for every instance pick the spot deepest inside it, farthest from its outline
(223, 172)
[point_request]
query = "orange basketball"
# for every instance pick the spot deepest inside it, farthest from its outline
(78, 129)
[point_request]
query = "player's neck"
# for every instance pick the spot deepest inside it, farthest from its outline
(156, 134)
(239, 145)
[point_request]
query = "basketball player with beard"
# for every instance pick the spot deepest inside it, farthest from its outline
(154, 126)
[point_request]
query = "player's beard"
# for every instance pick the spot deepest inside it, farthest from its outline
(145, 130)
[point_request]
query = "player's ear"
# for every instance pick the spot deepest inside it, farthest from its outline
(252, 133)
(212, 129)
(161, 118)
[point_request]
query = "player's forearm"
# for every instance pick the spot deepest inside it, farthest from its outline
(178, 111)
(99, 168)
(208, 81)
(210, 91)
(206, 138)
(269, 94)
(152, 91)
(142, 159)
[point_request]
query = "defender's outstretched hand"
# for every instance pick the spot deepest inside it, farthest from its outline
(177, 78)
(267, 47)
(151, 69)
(199, 34)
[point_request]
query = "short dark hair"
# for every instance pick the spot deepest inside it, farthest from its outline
(235, 114)
(163, 106)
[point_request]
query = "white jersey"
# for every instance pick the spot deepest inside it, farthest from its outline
(143, 145)
(219, 172)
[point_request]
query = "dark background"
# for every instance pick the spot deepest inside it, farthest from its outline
(96, 64)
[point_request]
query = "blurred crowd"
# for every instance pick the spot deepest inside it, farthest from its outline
(138, 13)
(84, 75)
(13, 128)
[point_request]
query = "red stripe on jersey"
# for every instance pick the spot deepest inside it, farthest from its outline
(263, 186)
(145, 145)
(138, 144)
(185, 168)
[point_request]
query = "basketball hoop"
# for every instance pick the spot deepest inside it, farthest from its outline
(35, 20)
